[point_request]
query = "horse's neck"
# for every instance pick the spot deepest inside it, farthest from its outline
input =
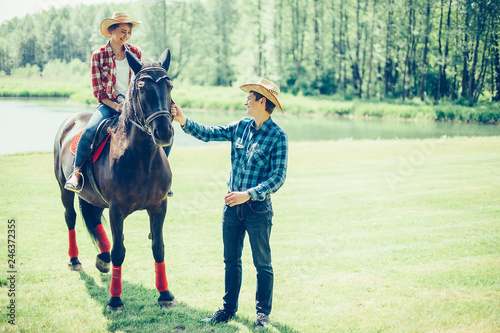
(131, 139)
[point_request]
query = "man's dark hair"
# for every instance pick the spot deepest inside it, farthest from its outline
(269, 105)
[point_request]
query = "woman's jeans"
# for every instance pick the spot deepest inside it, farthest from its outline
(255, 218)
(83, 149)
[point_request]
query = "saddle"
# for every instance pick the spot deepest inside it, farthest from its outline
(99, 141)
(100, 138)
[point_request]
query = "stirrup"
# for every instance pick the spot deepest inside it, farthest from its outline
(71, 187)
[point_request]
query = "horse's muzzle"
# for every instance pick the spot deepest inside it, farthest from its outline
(163, 137)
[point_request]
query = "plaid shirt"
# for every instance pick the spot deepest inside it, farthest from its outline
(104, 71)
(259, 157)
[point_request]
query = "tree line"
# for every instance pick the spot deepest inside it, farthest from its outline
(370, 49)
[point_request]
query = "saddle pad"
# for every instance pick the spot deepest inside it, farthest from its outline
(97, 151)
(74, 143)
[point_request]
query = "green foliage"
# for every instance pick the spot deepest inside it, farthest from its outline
(76, 69)
(27, 71)
(362, 49)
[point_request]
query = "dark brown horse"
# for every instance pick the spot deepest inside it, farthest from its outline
(132, 174)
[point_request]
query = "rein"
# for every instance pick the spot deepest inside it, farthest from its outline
(142, 123)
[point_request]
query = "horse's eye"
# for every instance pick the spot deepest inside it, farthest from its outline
(140, 84)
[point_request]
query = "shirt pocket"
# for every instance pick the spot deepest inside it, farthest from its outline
(239, 154)
(105, 73)
(259, 156)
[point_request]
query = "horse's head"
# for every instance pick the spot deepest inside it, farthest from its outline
(151, 99)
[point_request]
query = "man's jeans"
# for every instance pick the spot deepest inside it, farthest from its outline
(254, 217)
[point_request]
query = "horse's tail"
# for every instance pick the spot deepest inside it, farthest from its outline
(92, 216)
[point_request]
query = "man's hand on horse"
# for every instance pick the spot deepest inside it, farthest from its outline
(178, 114)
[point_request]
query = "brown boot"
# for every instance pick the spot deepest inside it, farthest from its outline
(73, 183)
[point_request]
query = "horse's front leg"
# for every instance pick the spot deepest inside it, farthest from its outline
(116, 218)
(156, 218)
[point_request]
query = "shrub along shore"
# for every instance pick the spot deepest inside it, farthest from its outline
(231, 98)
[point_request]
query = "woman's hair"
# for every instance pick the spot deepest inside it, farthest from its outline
(116, 25)
(269, 105)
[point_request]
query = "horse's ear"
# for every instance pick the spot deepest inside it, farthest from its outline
(133, 62)
(165, 59)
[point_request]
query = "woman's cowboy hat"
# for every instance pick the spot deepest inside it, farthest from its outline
(118, 17)
(267, 89)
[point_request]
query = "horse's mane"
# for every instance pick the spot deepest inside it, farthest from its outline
(128, 111)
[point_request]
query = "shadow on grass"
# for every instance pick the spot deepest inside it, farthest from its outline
(142, 313)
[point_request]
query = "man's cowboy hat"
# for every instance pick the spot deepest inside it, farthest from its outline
(118, 17)
(267, 89)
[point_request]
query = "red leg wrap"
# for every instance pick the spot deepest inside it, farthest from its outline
(104, 244)
(73, 248)
(161, 277)
(116, 282)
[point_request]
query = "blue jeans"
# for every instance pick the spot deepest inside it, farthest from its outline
(83, 149)
(254, 218)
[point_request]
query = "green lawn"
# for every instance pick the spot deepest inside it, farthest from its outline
(368, 236)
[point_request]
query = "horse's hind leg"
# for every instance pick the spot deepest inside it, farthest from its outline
(67, 199)
(157, 217)
(92, 216)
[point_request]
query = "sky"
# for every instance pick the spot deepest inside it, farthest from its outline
(19, 8)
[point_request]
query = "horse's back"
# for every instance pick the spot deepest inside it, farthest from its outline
(63, 158)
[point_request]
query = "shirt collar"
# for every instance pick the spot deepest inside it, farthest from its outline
(109, 49)
(264, 126)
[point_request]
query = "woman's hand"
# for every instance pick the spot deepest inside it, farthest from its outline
(119, 107)
(178, 114)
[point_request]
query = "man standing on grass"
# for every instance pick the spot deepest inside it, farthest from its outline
(259, 157)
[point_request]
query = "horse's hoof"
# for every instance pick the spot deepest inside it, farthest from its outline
(101, 264)
(114, 309)
(75, 268)
(166, 299)
(75, 265)
(115, 304)
(167, 304)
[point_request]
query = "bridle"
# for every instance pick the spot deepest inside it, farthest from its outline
(142, 122)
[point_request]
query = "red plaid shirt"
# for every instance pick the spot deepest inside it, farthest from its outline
(104, 71)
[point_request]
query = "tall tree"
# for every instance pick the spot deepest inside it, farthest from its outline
(388, 50)
(410, 43)
(298, 10)
(318, 65)
(443, 82)
(356, 76)
(370, 61)
(223, 14)
(278, 36)
(465, 55)
(496, 61)
(426, 48)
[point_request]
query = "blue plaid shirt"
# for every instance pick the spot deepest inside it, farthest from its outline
(259, 157)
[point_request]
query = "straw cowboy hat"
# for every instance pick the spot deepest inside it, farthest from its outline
(267, 89)
(118, 17)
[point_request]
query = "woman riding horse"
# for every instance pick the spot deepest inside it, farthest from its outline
(132, 173)
(110, 79)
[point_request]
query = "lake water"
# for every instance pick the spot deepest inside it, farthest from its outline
(31, 124)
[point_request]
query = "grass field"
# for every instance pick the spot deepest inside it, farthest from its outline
(368, 236)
